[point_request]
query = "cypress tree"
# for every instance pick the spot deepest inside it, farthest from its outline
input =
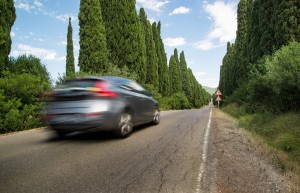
(287, 22)
(93, 54)
(163, 69)
(240, 43)
(183, 70)
(266, 26)
(152, 59)
(176, 55)
(254, 34)
(7, 19)
(70, 66)
(125, 37)
(174, 72)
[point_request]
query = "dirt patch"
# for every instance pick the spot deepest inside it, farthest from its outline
(241, 165)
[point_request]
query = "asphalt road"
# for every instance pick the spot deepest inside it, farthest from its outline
(163, 158)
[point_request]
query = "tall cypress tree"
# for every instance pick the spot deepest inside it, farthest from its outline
(7, 19)
(125, 37)
(176, 57)
(174, 72)
(183, 70)
(70, 65)
(163, 69)
(241, 65)
(152, 60)
(93, 54)
(287, 21)
(266, 25)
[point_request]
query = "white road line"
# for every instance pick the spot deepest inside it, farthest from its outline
(204, 157)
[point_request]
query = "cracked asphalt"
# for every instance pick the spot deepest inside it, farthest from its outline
(161, 158)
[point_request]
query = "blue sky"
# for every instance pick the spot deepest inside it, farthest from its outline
(199, 28)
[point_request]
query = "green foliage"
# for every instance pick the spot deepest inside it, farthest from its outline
(7, 19)
(174, 71)
(281, 131)
(29, 65)
(70, 65)
(186, 86)
(256, 70)
(125, 37)
(93, 53)
(178, 101)
(20, 102)
(274, 85)
(163, 69)
(286, 22)
(152, 60)
(21, 89)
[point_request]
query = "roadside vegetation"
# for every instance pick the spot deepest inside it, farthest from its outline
(259, 77)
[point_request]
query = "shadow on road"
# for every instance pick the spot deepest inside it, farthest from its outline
(100, 136)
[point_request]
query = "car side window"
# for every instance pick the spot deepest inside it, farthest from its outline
(131, 85)
(136, 86)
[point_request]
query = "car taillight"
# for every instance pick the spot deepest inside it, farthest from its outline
(100, 88)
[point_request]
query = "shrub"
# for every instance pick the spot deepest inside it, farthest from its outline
(20, 101)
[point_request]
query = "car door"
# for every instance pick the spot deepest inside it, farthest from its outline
(145, 103)
(141, 103)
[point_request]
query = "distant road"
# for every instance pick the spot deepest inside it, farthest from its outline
(163, 158)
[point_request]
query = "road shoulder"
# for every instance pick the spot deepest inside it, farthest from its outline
(241, 165)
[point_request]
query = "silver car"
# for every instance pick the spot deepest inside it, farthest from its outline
(100, 103)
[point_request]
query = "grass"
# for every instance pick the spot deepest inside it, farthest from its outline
(280, 135)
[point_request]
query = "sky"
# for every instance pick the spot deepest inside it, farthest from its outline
(200, 28)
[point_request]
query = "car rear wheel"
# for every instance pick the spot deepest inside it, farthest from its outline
(125, 125)
(61, 133)
(156, 117)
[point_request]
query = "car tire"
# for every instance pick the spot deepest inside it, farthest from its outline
(61, 133)
(156, 117)
(125, 125)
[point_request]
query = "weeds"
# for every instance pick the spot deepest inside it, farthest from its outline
(279, 133)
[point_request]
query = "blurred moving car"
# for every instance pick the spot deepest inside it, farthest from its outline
(100, 103)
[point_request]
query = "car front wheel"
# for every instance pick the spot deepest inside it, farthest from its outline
(156, 117)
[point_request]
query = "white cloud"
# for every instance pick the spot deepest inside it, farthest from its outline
(152, 20)
(39, 39)
(65, 17)
(180, 10)
(38, 52)
(173, 42)
(38, 3)
(224, 18)
(64, 43)
(37, 7)
(24, 6)
(154, 5)
(31, 33)
(12, 34)
(199, 74)
(206, 44)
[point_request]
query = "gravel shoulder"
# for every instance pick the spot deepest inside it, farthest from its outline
(241, 165)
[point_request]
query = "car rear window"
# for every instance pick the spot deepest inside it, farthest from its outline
(77, 84)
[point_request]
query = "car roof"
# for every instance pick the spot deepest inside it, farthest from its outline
(106, 78)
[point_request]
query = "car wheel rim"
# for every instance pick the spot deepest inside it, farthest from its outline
(156, 117)
(125, 124)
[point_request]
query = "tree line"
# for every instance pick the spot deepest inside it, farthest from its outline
(114, 40)
(112, 33)
(261, 69)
